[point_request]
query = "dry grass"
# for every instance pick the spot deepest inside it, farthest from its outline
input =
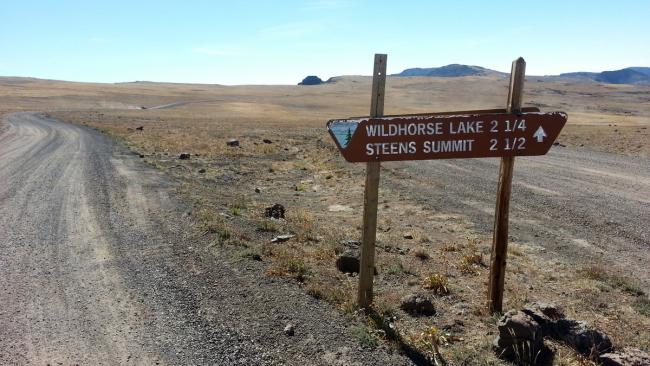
(437, 283)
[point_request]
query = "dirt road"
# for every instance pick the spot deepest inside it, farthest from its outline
(577, 206)
(98, 266)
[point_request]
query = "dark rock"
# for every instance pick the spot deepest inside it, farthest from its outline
(311, 80)
(184, 156)
(141, 128)
(141, 155)
(202, 170)
(458, 326)
(257, 190)
(232, 142)
(581, 337)
(289, 329)
(545, 315)
(348, 261)
(520, 339)
(408, 236)
(267, 141)
(276, 211)
(625, 357)
(417, 304)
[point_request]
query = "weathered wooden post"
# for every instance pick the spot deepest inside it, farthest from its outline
(371, 195)
(500, 236)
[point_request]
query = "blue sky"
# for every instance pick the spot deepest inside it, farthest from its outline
(280, 42)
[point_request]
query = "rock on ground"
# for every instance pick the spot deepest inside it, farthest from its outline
(625, 357)
(417, 304)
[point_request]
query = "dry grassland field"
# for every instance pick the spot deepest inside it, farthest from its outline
(579, 233)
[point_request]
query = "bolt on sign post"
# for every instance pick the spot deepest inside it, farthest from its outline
(504, 133)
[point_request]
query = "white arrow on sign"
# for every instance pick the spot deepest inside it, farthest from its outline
(540, 134)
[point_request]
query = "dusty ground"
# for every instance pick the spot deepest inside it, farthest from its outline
(579, 230)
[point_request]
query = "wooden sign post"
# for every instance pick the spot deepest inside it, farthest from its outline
(504, 133)
(501, 211)
(371, 194)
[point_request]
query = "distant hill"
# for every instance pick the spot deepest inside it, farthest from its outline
(643, 70)
(453, 70)
(630, 75)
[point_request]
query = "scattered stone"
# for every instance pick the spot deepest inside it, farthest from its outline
(202, 170)
(232, 142)
(458, 326)
(184, 156)
(625, 357)
(282, 238)
(276, 211)
(408, 236)
(141, 156)
(257, 190)
(582, 337)
(348, 261)
(416, 304)
(520, 339)
(267, 141)
(521, 333)
(289, 329)
(352, 244)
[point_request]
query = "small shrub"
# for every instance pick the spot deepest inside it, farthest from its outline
(398, 268)
(366, 336)
(289, 265)
(449, 247)
(470, 262)
(437, 283)
(642, 306)
(224, 235)
(268, 225)
(429, 341)
(593, 272)
(250, 253)
(625, 285)
(336, 294)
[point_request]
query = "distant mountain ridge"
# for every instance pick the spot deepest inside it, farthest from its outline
(448, 71)
(629, 75)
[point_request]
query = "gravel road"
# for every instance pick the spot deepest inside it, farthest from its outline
(579, 206)
(98, 266)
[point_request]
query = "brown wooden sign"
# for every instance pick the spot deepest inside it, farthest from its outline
(446, 136)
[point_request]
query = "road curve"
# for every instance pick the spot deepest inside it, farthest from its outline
(96, 267)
